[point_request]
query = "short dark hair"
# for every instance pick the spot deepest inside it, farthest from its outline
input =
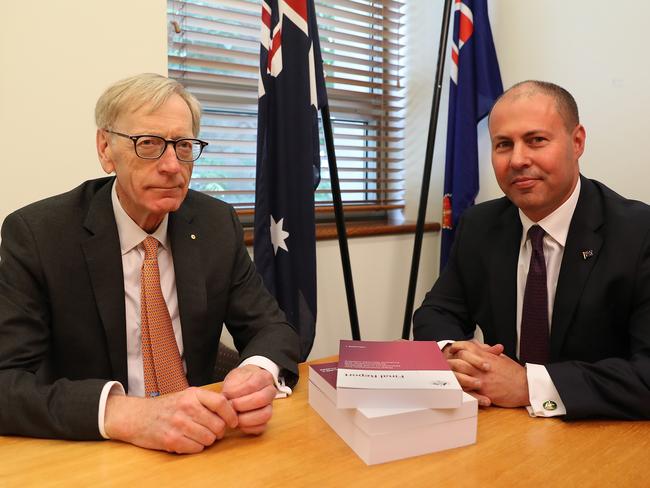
(564, 101)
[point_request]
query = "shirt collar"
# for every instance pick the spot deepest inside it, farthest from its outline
(130, 233)
(557, 223)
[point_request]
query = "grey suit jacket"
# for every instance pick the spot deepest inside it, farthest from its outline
(62, 316)
(600, 329)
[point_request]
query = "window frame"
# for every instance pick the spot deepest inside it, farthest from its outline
(373, 98)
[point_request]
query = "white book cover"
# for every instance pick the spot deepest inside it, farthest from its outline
(448, 396)
(375, 420)
(382, 435)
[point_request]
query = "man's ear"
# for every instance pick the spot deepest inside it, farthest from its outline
(104, 151)
(579, 137)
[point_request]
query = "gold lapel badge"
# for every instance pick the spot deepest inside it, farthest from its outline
(549, 405)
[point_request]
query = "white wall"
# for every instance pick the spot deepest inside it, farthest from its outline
(57, 60)
(597, 50)
(380, 267)
(594, 48)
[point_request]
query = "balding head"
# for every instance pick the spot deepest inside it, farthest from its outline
(564, 101)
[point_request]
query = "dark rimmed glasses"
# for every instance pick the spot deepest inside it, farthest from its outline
(152, 147)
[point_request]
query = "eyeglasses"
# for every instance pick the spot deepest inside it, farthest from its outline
(152, 147)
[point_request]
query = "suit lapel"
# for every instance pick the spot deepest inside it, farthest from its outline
(103, 258)
(583, 237)
(185, 241)
(503, 270)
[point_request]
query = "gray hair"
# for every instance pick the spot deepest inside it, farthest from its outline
(131, 94)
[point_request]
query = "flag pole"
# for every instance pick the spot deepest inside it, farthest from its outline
(426, 176)
(340, 224)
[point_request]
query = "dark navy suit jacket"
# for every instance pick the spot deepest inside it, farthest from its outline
(600, 328)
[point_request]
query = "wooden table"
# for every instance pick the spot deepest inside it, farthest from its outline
(299, 449)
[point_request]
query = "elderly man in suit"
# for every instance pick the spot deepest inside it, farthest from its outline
(556, 275)
(123, 285)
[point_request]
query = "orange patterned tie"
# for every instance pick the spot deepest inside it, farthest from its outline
(163, 368)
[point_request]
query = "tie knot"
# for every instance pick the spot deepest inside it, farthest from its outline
(150, 248)
(536, 235)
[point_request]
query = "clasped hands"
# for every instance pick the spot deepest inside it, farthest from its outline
(190, 420)
(487, 374)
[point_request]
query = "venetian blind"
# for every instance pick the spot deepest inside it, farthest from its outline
(214, 51)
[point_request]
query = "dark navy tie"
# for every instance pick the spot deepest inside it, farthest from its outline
(534, 343)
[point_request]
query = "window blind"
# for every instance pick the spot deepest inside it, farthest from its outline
(214, 52)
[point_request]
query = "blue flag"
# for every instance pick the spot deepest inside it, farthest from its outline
(291, 91)
(475, 86)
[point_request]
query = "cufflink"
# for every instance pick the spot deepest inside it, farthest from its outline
(549, 405)
(193, 236)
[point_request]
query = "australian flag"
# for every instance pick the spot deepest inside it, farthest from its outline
(291, 91)
(475, 86)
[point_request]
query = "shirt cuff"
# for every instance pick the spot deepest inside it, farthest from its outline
(271, 367)
(110, 388)
(442, 344)
(544, 398)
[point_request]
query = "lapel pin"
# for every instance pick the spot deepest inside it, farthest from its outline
(193, 237)
(587, 254)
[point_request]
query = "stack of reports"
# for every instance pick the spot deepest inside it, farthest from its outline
(392, 400)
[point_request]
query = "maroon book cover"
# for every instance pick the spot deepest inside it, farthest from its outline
(327, 371)
(394, 365)
(391, 355)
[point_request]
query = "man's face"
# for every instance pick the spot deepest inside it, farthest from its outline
(534, 155)
(148, 189)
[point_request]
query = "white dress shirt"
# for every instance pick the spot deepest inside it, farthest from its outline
(131, 236)
(544, 398)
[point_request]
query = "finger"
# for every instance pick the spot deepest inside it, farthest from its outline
(234, 379)
(212, 423)
(483, 401)
(458, 345)
(255, 417)
(445, 351)
(246, 381)
(461, 366)
(468, 383)
(187, 446)
(254, 430)
(495, 349)
(174, 441)
(200, 434)
(255, 400)
(218, 404)
(192, 414)
(476, 347)
(477, 360)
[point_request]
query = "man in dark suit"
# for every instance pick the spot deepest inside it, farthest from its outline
(123, 285)
(556, 275)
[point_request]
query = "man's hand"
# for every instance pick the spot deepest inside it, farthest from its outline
(506, 383)
(251, 391)
(467, 362)
(183, 422)
(487, 374)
